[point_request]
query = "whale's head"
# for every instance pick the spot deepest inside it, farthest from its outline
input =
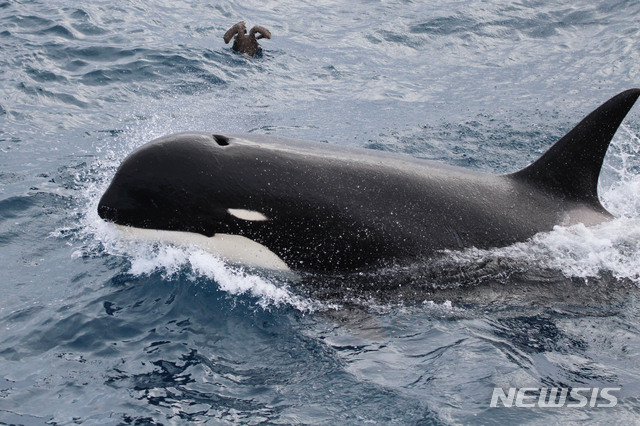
(154, 185)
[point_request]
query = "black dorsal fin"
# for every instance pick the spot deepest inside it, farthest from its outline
(572, 165)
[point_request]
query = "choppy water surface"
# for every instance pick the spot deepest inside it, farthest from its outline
(97, 330)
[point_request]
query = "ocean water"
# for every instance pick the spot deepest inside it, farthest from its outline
(97, 330)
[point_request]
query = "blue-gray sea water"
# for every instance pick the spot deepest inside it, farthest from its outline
(96, 330)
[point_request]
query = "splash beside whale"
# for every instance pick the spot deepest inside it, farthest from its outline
(280, 203)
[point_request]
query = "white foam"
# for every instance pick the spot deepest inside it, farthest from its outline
(619, 187)
(588, 251)
(147, 257)
(580, 251)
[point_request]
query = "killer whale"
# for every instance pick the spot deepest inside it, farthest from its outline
(318, 207)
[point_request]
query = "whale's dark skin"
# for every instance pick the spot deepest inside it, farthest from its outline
(334, 209)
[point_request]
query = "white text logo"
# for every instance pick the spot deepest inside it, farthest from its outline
(554, 397)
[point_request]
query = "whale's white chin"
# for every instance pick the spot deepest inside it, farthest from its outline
(234, 249)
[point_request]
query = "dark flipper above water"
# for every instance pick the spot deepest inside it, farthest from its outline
(325, 208)
(572, 165)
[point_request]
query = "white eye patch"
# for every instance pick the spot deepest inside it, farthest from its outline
(250, 215)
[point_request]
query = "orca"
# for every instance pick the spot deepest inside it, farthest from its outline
(320, 208)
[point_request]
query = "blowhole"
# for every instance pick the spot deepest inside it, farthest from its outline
(221, 140)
